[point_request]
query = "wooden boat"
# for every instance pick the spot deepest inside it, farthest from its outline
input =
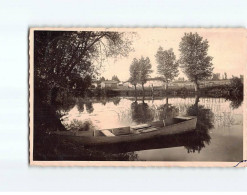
(161, 142)
(172, 126)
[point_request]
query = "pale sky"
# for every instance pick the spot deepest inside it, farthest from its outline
(226, 46)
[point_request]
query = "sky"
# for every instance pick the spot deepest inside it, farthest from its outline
(226, 46)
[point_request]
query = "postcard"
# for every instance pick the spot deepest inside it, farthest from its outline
(137, 97)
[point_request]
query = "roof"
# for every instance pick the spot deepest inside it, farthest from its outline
(110, 82)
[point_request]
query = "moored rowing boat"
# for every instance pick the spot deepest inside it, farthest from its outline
(172, 126)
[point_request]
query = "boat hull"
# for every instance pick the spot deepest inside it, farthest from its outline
(179, 128)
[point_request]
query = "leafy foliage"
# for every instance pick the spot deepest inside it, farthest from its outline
(194, 59)
(60, 57)
(145, 70)
(216, 76)
(236, 86)
(140, 71)
(102, 79)
(167, 64)
(134, 72)
(115, 78)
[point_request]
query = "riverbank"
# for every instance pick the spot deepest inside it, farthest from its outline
(215, 91)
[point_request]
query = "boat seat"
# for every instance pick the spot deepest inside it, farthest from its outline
(107, 133)
(148, 130)
(140, 126)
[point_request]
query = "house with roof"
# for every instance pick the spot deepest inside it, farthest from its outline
(154, 82)
(151, 82)
(109, 84)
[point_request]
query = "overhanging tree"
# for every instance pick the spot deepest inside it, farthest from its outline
(59, 56)
(167, 65)
(194, 59)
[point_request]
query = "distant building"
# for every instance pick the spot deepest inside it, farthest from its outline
(109, 84)
(186, 84)
(127, 84)
(120, 84)
(207, 83)
(154, 82)
(151, 82)
(158, 82)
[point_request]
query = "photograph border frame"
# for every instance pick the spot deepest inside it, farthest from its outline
(122, 163)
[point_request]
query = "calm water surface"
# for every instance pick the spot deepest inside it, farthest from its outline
(218, 136)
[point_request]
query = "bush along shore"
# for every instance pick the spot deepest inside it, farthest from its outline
(215, 91)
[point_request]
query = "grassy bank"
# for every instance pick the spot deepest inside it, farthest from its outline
(215, 91)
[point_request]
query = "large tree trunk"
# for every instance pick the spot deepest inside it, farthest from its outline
(135, 90)
(165, 109)
(197, 100)
(196, 103)
(152, 90)
(143, 90)
(166, 86)
(196, 86)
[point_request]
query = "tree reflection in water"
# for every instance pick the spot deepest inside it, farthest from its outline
(167, 111)
(116, 100)
(205, 122)
(63, 108)
(141, 112)
(80, 105)
(77, 125)
(89, 107)
(236, 101)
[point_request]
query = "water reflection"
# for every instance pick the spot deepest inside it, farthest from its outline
(192, 141)
(80, 105)
(205, 122)
(236, 102)
(116, 100)
(63, 108)
(77, 125)
(215, 117)
(167, 110)
(89, 107)
(141, 112)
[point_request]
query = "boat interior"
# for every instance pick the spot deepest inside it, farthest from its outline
(123, 131)
(143, 128)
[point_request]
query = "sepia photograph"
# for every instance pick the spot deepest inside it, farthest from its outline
(136, 96)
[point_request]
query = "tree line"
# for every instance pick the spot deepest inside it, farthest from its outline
(194, 61)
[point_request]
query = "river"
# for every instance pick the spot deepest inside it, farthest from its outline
(218, 135)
